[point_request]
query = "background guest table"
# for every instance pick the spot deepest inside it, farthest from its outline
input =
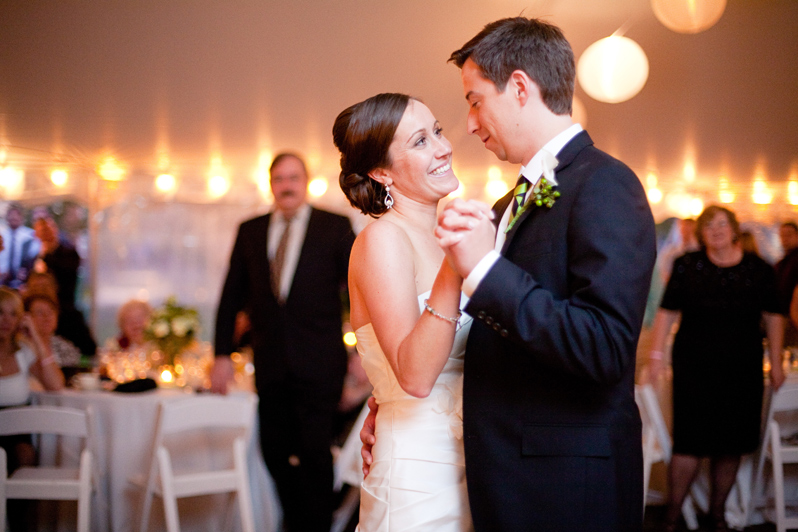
(124, 428)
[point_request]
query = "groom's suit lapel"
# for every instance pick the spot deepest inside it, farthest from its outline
(564, 158)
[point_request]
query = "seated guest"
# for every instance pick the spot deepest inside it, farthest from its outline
(22, 354)
(132, 318)
(43, 309)
(40, 282)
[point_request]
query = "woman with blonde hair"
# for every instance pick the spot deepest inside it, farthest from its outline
(21, 353)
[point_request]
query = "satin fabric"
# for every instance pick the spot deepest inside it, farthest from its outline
(417, 479)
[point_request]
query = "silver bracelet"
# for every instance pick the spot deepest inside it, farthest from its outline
(455, 321)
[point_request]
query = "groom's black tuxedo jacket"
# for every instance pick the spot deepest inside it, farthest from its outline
(301, 340)
(552, 431)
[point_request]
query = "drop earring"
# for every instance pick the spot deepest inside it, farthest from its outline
(388, 198)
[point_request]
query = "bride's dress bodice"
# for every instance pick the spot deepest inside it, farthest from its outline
(417, 479)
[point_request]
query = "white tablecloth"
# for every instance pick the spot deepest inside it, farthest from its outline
(124, 430)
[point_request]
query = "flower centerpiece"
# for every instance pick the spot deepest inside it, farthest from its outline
(173, 328)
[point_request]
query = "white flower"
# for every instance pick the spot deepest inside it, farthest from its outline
(549, 163)
(160, 329)
(181, 326)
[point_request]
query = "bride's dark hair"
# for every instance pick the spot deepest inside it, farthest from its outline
(363, 133)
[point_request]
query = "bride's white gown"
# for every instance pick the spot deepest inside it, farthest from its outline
(417, 479)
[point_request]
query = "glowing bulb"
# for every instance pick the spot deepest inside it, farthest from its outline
(458, 192)
(689, 172)
(218, 186)
(350, 339)
(111, 170)
(166, 376)
(262, 173)
(494, 172)
(654, 195)
(12, 180)
(761, 195)
(59, 177)
(318, 187)
(792, 192)
(165, 182)
(696, 206)
(496, 188)
(724, 194)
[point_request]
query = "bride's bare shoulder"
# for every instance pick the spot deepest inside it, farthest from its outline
(382, 242)
(382, 233)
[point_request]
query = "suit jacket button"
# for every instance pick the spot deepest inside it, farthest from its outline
(504, 333)
(497, 327)
(489, 320)
(481, 315)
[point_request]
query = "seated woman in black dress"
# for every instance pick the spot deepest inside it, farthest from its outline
(721, 294)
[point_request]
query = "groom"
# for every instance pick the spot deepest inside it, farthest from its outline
(558, 291)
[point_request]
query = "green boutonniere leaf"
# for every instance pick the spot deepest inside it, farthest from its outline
(542, 195)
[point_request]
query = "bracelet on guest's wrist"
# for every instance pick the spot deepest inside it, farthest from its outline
(455, 321)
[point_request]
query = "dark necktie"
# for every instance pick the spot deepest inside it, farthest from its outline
(519, 194)
(276, 264)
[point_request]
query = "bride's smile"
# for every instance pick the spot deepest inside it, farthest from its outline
(421, 156)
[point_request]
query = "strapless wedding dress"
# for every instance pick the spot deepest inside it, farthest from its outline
(417, 479)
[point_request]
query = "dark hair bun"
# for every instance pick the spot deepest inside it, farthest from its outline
(363, 193)
(363, 134)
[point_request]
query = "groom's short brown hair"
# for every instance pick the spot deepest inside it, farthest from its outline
(538, 48)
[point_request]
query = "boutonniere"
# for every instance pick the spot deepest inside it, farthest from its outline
(542, 195)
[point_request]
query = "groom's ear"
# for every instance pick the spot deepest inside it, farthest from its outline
(522, 86)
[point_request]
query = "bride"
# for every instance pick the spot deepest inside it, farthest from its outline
(405, 308)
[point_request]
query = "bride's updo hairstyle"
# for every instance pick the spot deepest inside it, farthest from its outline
(363, 133)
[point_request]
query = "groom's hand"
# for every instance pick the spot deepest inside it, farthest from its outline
(466, 233)
(367, 435)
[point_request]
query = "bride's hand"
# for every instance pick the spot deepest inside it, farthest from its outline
(466, 233)
(367, 436)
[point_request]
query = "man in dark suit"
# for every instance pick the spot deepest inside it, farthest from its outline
(288, 269)
(557, 292)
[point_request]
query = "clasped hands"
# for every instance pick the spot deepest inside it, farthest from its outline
(465, 231)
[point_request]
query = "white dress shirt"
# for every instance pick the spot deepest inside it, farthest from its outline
(24, 236)
(532, 171)
(299, 226)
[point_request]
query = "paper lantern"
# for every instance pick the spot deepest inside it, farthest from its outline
(688, 16)
(613, 69)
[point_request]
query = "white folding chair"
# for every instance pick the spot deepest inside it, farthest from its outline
(347, 469)
(204, 415)
(49, 483)
(780, 452)
(657, 445)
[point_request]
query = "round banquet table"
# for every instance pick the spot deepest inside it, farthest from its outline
(124, 428)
